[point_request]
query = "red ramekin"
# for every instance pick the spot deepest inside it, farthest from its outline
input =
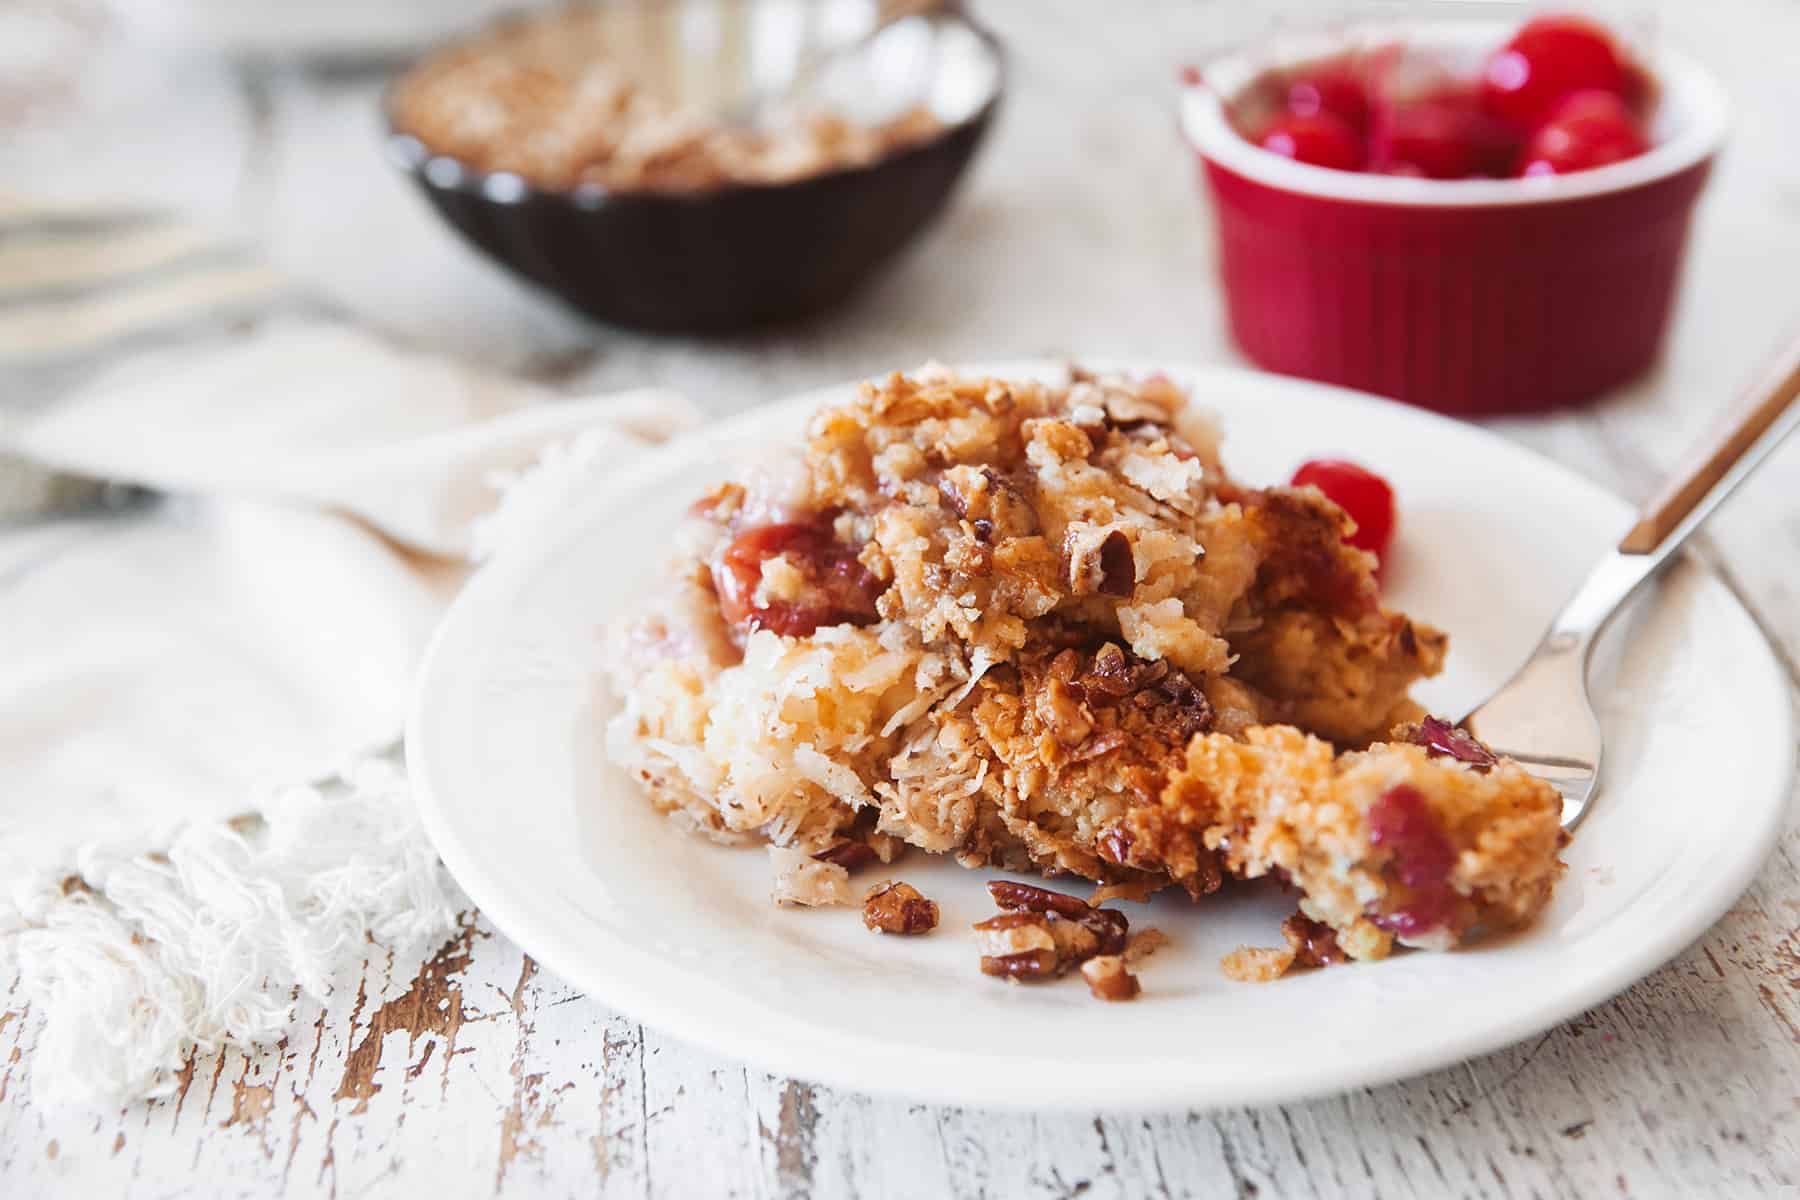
(1485, 296)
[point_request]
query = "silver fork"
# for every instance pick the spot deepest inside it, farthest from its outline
(1543, 717)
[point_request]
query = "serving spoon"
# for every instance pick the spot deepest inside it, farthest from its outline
(1543, 718)
(760, 108)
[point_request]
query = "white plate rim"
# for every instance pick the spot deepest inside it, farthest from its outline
(846, 1063)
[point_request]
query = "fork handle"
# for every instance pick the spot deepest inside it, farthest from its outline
(1692, 495)
(1686, 501)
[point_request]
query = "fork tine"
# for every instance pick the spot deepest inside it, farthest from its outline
(1575, 780)
(1543, 721)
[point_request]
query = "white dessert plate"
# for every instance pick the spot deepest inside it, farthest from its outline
(564, 855)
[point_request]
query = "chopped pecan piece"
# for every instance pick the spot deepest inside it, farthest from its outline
(1099, 561)
(1033, 964)
(1127, 410)
(1117, 673)
(962, 488)
(1151, 683)
(848, 854)
(1028, 945)
(1196, 711)
(1309, 944)
(1109, 926)
(1075, 943)
(1314, 944)
(1099, 745)
(1208, 876)
(989, 501)
(1122, 407)
(1028, 897)
(1116, 842)
(1108, 979)
(1059, 705)
(899, 908)
(1014, 933)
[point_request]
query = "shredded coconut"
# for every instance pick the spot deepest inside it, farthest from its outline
(802, 880)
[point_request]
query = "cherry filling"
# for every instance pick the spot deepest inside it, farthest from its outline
(835, 588)
(1444, 740)
(1420, 858)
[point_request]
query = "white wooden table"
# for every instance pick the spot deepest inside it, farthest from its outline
(1079, 234)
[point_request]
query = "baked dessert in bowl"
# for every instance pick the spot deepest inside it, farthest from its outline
(1041, 629)
(697, 165)
(1474, 250)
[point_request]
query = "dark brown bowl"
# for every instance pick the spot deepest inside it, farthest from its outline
(722, 259)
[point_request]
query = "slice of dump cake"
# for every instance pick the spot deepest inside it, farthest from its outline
(1404, 840)
(1029, 625)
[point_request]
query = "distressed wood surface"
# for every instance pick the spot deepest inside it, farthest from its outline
(1079, 234)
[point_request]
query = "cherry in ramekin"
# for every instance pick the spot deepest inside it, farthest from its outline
(1474, 296)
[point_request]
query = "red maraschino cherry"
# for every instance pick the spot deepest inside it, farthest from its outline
(1320, 139)
(1587, 130)
(1545, 61)
(1337, 90)
(1360, 492)
(1562, 83)
(1442, 136)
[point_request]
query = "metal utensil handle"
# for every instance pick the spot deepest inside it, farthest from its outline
(1685, 502)
(1692, 495)
(748, 110)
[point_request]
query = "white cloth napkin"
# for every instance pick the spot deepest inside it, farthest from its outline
(243, 644)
